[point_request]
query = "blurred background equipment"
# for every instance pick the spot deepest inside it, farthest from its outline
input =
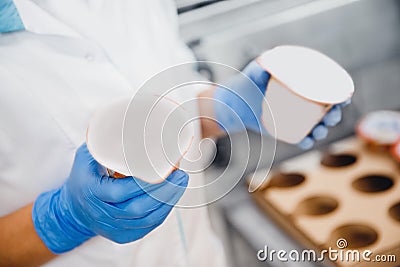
(362, 36)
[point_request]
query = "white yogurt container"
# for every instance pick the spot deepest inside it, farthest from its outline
(381, 127)
(147, 140)
(303, 87)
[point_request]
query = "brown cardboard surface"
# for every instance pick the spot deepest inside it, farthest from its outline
(317, 210)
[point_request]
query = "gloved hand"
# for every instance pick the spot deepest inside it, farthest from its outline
(239, 106)
(91, 203)
(10, 20)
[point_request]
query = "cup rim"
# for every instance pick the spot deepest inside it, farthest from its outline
(126, 170)
(272, 72)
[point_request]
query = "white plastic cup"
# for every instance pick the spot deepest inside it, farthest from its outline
(303, 87)
(145, 138)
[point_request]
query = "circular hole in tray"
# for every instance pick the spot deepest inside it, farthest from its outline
(356, 235)
(394, 211)
(338, 160)
(317, 205)
(373, 183)
(287, 179)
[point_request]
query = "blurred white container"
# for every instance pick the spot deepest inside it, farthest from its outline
(380, 127)
(148, 145)
(303, 87)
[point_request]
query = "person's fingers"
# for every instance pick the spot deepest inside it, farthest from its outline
(83, 155)
(258, 75)
(319, 132)
(135, 208)
(112, 190)
(306, 143)
(173, 191)
(345, 103)
(178, 177)
(333, 117)
(151, 219)
(141, 206)
(140, 212)
(157, 217)
(119, 190)
(154, 218)
(83, 151)
(123, 236)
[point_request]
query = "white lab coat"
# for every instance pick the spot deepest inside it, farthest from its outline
(75, 56)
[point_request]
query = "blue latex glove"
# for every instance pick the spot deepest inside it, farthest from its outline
(9, 18)
(90, 203)
(240, 106)
(332, 118)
